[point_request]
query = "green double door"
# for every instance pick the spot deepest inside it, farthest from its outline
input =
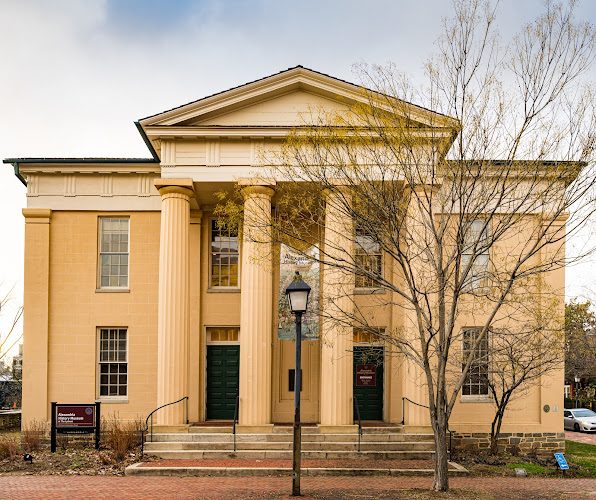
(223, 363)
(368, 381)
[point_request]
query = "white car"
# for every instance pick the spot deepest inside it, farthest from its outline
(580, 419)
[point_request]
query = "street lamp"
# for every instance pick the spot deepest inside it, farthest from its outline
(297, 293)
(577, 380)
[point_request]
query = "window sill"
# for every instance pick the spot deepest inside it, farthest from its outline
(112, 290)
(111, 401)
(475, 399)
(224, 290)
(369, 291)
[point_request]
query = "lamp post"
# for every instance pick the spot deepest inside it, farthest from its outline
(297, 293)
(577, 380)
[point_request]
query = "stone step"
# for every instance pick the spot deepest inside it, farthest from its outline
(350, 438)
(306, 446)
(287, 455)
(139, 470)
(288, 429)
(227, 429)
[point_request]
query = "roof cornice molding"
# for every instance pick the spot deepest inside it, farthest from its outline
(287, 81)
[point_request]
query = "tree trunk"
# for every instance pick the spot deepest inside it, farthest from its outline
(495, 430)
(441, 480)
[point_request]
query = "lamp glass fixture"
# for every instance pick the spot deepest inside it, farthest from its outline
(298, 292)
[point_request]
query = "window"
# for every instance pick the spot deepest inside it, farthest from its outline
(222, 334)
(224, 256)
(113, 253)
(368, 259)
(476, 236)
(476, 381)
(113, 365)
(566, 391)
(365, 336)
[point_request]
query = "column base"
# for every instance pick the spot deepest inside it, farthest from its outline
(338, 429)
(254, 429)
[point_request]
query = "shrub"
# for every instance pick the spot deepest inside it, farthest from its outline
(33, 434)
(119, 436)
(8, 446)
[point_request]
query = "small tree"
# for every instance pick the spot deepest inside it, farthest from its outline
(518, 358)
(580, 340)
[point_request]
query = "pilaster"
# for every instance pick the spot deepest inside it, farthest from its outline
(36, 301)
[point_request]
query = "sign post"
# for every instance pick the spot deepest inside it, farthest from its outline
(563, 465)
(75, 419)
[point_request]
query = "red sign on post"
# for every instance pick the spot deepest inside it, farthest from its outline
(75, 416)
(366, 375)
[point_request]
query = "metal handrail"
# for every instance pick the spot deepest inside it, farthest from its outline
(235, 419)
(150, 416)
(359, 421)
(403, 420)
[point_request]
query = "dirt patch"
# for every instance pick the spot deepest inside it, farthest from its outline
(82, 462)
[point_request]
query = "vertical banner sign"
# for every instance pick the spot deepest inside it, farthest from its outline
(307, 264)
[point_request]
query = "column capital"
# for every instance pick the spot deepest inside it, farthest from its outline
(263, 187)
(196, 216)
(37, 215)
(179, 186)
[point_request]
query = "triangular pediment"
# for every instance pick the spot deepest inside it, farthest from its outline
(289, 98)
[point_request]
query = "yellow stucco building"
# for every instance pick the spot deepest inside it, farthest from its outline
(135, 297)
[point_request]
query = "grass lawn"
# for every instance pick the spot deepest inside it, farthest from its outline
(581, 454)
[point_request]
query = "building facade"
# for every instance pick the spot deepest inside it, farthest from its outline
(135, 297)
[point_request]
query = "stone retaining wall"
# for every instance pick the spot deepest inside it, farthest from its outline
(540, 443)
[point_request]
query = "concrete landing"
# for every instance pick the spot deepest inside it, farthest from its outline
(283, 468)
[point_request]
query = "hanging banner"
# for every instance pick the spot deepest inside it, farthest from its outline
(308, 266)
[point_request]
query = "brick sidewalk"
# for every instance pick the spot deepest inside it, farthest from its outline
(132, 488)
(581, 437)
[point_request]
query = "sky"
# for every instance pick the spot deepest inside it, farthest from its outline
(75, 75)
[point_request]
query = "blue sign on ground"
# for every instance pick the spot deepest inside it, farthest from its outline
(561, 461)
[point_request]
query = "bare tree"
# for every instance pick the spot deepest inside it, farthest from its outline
(430, 225)
(10, 337)
(519, 358)
(580, 340)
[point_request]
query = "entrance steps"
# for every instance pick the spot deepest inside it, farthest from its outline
(377, 443)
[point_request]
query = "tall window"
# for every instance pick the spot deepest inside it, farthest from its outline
(476, 381)
(224, 256)
(368, 259)
(113, 362)
(476, 236)
(113, 253)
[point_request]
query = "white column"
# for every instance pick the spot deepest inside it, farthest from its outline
(173, 328)
(337, 332)
(256, 310)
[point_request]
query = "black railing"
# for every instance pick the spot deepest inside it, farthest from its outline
(150, 416)
(403, 420)
(359, 421)
(235, 419)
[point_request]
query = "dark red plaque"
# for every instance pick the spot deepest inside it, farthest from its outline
(75, 416)
(366, 375)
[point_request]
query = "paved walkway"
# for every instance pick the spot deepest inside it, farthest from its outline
(580, 437)
(132, 488)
